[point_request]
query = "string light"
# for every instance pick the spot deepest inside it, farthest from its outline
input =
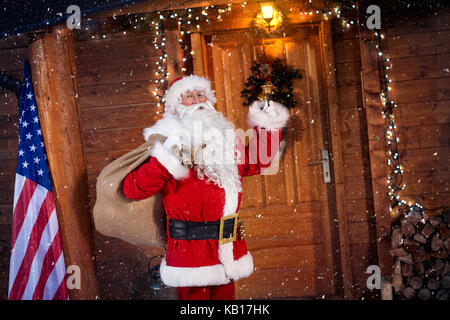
(395, 177)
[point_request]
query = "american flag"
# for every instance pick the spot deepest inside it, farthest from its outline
(37, 269)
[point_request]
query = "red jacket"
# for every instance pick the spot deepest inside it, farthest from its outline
(187, 197)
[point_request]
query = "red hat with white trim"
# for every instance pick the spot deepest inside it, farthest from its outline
(178, 86)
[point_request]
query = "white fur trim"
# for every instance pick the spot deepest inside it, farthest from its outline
(235, 269)
(243, 267)
(173, 95)
(168, 125)
(172, 164)
(188, 277)
(262, 119)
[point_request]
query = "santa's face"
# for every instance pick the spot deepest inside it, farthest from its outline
(191, 97)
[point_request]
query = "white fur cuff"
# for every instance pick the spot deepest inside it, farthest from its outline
(193, 277)
(262, 119)
(168, 160)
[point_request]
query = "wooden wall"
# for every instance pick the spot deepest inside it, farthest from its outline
(419, 49)
(116, 76)
(12, 54)
(358, 205)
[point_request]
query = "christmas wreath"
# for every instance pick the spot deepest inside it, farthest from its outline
(271, 77)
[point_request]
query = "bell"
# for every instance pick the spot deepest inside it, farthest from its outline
(267, 91)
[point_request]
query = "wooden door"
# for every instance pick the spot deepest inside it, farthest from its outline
(287, 215)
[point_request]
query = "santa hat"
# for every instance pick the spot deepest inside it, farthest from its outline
(178, 86)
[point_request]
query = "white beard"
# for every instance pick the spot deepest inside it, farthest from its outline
(218, 160)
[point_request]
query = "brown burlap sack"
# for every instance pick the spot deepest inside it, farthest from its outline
(139, 222)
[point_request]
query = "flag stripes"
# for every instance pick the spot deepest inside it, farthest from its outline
(37, 268)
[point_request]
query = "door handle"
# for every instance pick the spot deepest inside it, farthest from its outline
(325, 162)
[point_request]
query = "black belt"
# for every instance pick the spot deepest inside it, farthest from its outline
(223, 230)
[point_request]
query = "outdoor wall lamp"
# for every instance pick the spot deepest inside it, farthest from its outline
(267, 8)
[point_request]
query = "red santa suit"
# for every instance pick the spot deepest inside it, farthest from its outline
(188, 197)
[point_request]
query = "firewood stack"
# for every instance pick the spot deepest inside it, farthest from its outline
(421, 250)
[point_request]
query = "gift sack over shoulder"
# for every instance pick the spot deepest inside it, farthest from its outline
(139, 222)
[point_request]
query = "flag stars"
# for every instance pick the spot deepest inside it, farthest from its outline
(21, 153)
(25, 124)
(32, 107)
(38, 132)
(29, 96)
(28, 135)
(35, 119)
(40, 172)
(33, 148)
(36, 160)
(25, 164)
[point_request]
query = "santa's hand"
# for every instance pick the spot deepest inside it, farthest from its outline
(171, 141)
(269, 109)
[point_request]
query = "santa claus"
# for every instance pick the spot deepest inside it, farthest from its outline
(201, 192)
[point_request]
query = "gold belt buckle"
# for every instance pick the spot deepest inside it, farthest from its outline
(222, 222)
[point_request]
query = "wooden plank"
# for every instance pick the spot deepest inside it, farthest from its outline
(118, 117)
(430, 22)
(12, 56)
(418, 44)
(361, 253)
(414, 91)
(435, 158)
(426, 113)
(433, 202)
(358, 210)
(107, 50)
(112, 139)
(135, 69)
(304, 228)
(370, 80)
(288, 257)
(7, 192)
(95, 162)
(427, 180)
(337, 223)
(174, 55)
(358, 232)
(15, 41)
(422, 67)
(351, 141)
(292, 283)
(128, 93)
(348, 74)
(52, 58)
(350, 120)
(8, 149)
(349, 97)
(347, 51)
(9, 126)
(353, 164)
(9, 103)
(423, 136)
(199, 54)
(356, 187)
(6, 214)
